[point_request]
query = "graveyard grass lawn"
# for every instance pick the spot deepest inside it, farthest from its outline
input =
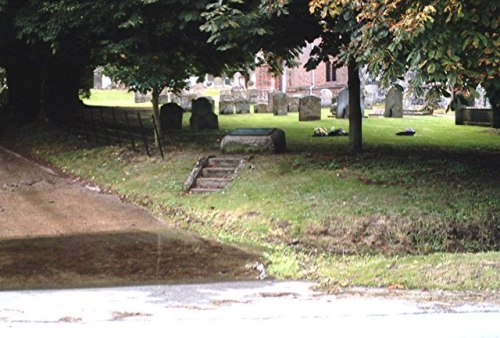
(410, 212)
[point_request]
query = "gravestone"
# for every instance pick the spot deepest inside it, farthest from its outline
(394, 102)
(253, 95)
(203, 116)
(141, 98)
(326, 97)
(333, 107)
(310, 108)
(343, 104)
(254, 140)
(260, 108)
(238, 93)
(218, 81)
(242, 106)
(370, 92)
(226, 95)
(171, 116)
(280, 104)
(293, 104)
(186, 101)
(226, 107)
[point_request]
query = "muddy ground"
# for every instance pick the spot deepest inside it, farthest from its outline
(58, 232)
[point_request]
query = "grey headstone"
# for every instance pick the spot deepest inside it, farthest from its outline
(343, 104)
(171, 116)
(218, 81)
(253, 95)
(293, 104)
(333, 107)
(226, 107)
(260, 108)
(226, 95)
(242, 106)
(310, 108)
(186, 101)
(203, 116)
(394, 103)
(238, 93)
(141, 98)
(280, 104)
(326, 97)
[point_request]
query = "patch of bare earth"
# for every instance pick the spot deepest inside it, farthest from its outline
(56, 232)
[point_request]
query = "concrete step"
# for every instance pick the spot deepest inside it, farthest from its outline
(203, 190)
(212, 182)
(225, 162)
(217, 172)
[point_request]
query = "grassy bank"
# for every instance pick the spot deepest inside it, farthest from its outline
(416, 212)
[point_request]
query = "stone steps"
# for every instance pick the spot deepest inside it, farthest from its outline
(212, 174)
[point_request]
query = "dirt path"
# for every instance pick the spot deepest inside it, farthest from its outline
(56, 232)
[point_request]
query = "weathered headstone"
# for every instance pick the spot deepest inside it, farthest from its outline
(218, 81)
(226, 107)
(280, 104)
(394, 102)
(226, 95)
(171, 116)
(326, 97)
(242, 106)
(310, 108)
(186, 101)
(238, 93)
(293, 104)
(260, 108)
(253, 95)
(203, 116)
(141, 98)
(333, 107)
(343, 104)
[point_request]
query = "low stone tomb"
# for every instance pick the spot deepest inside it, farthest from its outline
(254, 140)
(280, 104)
(226, 107)
(203, 116)
(260, 108)
(171, 116)
(242, 106)
(394, 102)
(310, 108)
(477, 116)
(293, 104)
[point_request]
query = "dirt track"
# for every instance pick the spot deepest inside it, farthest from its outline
(56, 232)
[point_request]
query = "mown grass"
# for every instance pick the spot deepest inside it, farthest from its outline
(419, 212)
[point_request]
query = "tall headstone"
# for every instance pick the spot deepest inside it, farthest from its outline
(280, 104)
(171, 116)
(394, 102)
(343, 104)
(203, 116)
(326, 97)
(310, 108)
(293, 104)
(226, 107)
(242, 106)
(226, 95)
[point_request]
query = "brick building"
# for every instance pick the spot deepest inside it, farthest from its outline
(298, 81)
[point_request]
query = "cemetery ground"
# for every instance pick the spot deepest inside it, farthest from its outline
(410, 212)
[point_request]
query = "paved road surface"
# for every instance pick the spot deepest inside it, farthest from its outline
(238, 309)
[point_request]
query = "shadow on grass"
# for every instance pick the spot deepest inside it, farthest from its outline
(114, 259)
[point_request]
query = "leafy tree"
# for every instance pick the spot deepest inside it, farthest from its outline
(445, 43)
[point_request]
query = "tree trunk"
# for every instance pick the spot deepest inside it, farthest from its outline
(355, 114)
(155, 100)
(24, 83)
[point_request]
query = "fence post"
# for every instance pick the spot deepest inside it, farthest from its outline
(117, 130)
(93, 126)
(130, 131)
(106, 137)
(157, 137)
(143, 134)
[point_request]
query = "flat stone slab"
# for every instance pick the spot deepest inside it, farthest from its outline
(254, 140)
